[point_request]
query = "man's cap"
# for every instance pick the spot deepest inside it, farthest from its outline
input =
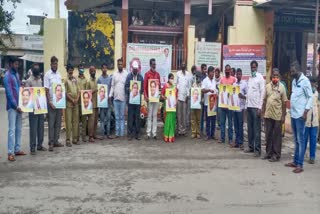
(135, 64)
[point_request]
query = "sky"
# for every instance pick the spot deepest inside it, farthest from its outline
(32, 7)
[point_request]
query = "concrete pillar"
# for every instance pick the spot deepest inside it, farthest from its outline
(57, 9)
(191, 46)
(54, 43)
(117, 43)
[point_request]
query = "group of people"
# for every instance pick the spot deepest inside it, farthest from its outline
(260, 101)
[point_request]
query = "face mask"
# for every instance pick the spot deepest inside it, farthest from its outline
(81, 71)
(275, 80)
(253, 73)
(35, 72)
(227, 73)
(93, 75)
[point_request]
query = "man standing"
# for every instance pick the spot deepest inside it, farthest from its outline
(225, 112)
(274, 111)
(82, 83)
(105, 113)
(183, 86)
(217, 79)
(203, 76)
(36, 121)
(54, 115)
(72, 111)
(134, 109)
(256, 91)
(300, 103)
(93, 118)
(152, 107)
(238, 115)
(119, 98)
(12, 86)
(209, 87)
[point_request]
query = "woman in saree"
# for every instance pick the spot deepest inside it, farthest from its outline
(170, 117)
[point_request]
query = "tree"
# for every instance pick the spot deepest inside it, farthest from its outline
(6, 18)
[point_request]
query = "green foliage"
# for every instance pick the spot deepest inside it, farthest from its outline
(6, 18)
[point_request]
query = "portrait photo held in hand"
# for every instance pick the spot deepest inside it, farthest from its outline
(102, 96)
(135, 97)
(26, 99)
(212, 104)
(153, 91)
(40, 100)
(195, 98)
(234, 100)
(224, 96)
(59, 96)
(86, 102)
(171, 103)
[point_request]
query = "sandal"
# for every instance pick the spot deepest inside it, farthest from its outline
(91, 140)
(11, 158)
(20, 153)
(298, 170)
(291, 165)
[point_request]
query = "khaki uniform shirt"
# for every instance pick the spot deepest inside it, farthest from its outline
(312, 116)
(275, 97)
(72, 89)
(92, 85)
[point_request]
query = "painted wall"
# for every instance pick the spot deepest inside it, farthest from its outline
(54, 43)
(248, 28)
(191, 46)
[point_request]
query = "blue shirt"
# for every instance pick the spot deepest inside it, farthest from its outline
(301, 97)
(12, 86)
(105, 81)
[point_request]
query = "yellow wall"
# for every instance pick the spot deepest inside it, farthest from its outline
(54, 43)
(117, 42)
(191, 47)
(248, 28)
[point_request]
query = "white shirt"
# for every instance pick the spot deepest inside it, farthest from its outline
(118, 85)
(183, 85)
(235, 99)
(49, 78)
(256, 90)
(208, 84)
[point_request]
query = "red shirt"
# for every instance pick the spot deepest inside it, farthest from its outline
(150, 75)
(228, 81)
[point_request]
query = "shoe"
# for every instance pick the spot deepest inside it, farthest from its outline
(311, 161)
(50, 148)
(11, 157)
(20, 153)
(155, 137)
(43, 149)
(69, 145)
(248, 151)
(33, 152)
(293, 165)
(266, 157)
(274, 159)
(138, 138)
(58, 145)
(257, 154)
(298, 170)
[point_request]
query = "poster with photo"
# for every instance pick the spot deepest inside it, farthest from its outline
(102, 99)
(86, 102)
(40, 100)
(153, 91)
(234, 100)
(59, 96)
(195, 98)
(135, 97)
(171, 102)
(224, 93)
(212, 104)
(26, 99)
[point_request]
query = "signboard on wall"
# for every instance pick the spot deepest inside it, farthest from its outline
(208, 53)
(142, 53)
(240, 56)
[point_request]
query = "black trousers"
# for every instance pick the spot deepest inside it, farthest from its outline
(273, 137)
(254, 130)
(36, 131)
(133, 120)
